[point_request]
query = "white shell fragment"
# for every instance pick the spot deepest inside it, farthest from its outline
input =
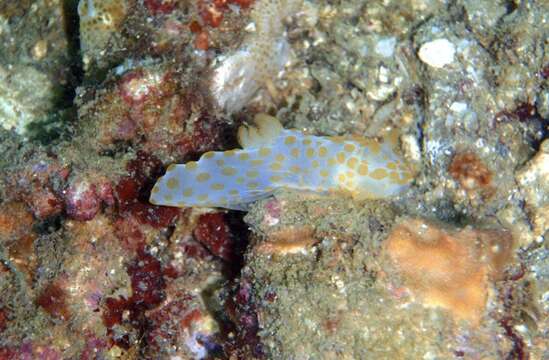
(437, 53)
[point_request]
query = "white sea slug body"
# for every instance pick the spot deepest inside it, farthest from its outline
(275, 158)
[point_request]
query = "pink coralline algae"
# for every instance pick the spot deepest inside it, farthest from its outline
(213, 232)
(30, 351)
(160, 7)
(83, 199)
(182, 323)
(148, 285)
(212, 11)
(138, 85)
(45, 203)
(116, 285)
(244, 314)
(53, 300)
(39, 184)
(131, 193)
(273, 211)
(147, 107)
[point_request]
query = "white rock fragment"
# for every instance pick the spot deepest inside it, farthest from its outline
(458, 107)
(386, 47)
(437, 53)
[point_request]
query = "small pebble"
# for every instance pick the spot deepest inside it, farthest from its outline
(386, 47)
(40, 49)
(437, 53)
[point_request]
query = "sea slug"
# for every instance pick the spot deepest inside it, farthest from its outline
(275, 158)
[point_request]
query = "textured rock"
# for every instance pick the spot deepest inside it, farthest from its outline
(533, 179)
(339, 299)
(36, 70)
(88, 268)
(26, 96)
(100, 24)
(461, 121)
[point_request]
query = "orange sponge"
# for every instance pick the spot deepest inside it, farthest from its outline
(449, 267)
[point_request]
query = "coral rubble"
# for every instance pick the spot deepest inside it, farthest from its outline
(100, 23)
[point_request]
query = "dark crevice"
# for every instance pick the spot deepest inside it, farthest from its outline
(72, 30)
(56, 124)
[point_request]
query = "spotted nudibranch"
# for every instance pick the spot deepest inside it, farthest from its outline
(275, 158)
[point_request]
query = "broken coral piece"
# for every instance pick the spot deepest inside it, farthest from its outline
(276, 158)
(262, 56)
(288, 240)
(449, 267)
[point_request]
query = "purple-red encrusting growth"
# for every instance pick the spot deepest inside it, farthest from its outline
(160, 7)
(213, 232)
(148, 285)
(81, 201)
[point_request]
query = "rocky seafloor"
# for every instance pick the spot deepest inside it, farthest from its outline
(98, 97)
